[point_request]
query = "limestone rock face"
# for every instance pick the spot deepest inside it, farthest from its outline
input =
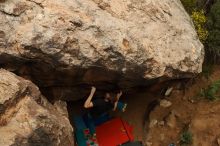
(27, 118)
(68, 43)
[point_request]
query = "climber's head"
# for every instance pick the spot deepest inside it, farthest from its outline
(111, 96)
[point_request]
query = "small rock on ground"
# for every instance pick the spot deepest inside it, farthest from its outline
(165, 103)
(171, 120)
(153, 123)
(218, 141)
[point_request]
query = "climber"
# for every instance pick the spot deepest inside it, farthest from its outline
(99, 106)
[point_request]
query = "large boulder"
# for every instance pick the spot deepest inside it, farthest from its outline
(66, 44)
(27, 118)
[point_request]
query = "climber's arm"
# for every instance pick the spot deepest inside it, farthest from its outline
(88, 103)
(117, 99)
(115, 106)
(118, 95)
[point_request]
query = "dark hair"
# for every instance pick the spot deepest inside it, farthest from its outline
(112, 97)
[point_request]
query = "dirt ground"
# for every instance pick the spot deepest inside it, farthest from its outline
(200, 117)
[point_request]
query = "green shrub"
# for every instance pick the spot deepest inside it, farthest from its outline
(199, 19)
(213, 26)
(210, 92)
(206, 17)
(186, 138)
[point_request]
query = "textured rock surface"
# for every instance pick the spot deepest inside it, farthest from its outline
(68, 43)
(26, 118)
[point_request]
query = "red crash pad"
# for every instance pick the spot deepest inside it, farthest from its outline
(114, 132)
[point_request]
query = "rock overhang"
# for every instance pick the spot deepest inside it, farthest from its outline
(58, 43)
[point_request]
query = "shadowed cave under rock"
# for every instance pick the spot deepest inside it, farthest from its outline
(57, 81)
